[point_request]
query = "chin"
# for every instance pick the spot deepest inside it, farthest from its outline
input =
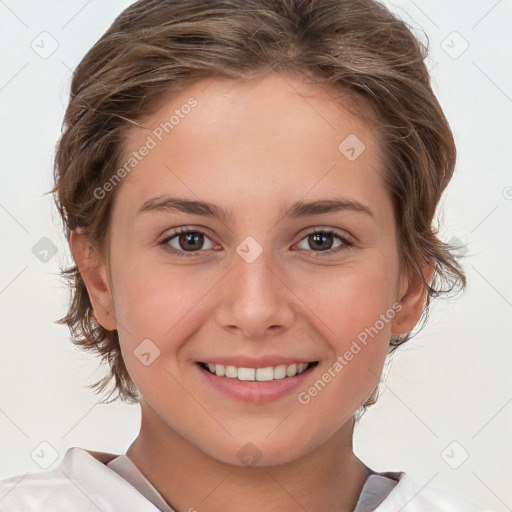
(259, 450)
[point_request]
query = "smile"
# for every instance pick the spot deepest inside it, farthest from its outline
(268, 373)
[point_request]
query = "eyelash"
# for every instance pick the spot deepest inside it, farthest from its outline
(319, 254)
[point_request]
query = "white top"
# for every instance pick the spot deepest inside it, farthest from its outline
(127, 469)
(88, 481)
(375, 489)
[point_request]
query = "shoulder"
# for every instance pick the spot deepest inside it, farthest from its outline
(82, 482)
(411, 496)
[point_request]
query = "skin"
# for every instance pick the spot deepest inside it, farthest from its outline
(252, 148)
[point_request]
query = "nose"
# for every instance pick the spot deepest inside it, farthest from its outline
(256, 300)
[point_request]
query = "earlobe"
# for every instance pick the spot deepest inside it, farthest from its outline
(412, 299)
(93, 272)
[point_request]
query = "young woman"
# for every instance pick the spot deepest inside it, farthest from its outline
(249, 190)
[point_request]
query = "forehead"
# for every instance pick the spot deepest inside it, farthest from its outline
(270, 137)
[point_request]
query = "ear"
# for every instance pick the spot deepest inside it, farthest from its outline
(412, 295)
(93, 272)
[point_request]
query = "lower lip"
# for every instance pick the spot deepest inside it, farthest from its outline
(256, 392)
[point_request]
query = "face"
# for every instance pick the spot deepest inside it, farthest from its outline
(262, 284)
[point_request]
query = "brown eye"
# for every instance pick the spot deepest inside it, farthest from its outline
(190, 240)
(321, 241)
(185, 242)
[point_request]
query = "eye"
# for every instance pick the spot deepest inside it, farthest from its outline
(188, 242)
(320, 239)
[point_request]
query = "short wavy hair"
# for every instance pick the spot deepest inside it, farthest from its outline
(156, 47)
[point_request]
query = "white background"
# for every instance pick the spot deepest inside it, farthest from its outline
(452, 383)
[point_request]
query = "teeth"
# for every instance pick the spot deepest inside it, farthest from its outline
(280, 372)
(291, 370)
(259, 374)
(264, 373)
(231, 371)
(246, 373)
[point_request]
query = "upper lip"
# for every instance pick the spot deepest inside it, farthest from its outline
(256, 362)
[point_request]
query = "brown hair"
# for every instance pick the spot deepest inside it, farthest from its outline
(156, 47)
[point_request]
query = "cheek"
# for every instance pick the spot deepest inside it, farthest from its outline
(159, 308)
(356, 316)
(152, 299)
(352, 298)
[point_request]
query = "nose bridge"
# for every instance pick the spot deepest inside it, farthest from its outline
(255, 270)
(256, 297)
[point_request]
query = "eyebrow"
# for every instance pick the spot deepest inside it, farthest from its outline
(296, 210)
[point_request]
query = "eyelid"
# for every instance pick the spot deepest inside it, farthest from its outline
(169, 233)
(305, 232)
(342, 233)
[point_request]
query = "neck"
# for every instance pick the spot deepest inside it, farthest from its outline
(328, 478)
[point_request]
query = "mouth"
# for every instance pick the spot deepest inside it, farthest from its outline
(269, 373)
(257, 386)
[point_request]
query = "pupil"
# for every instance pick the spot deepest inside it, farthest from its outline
(318, 236)
(190, 239)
